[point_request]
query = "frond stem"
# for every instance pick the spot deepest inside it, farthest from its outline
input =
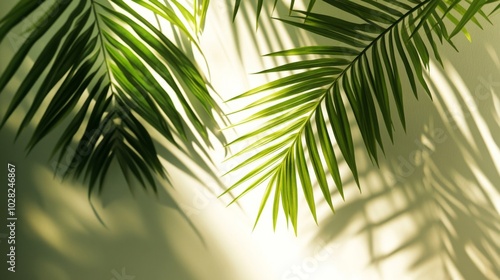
(101, 41)
(340, 75)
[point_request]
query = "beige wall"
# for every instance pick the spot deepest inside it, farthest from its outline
(432, 211)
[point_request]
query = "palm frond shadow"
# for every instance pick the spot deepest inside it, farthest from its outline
(113, 189)
(111, 246)
(263, 38)
(451, 224)
(470, 121)
(165, 195)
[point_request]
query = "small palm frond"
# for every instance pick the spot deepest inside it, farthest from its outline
(201, 10)
(496, 8)
(362, 66)
(260, 4)
(108, 66)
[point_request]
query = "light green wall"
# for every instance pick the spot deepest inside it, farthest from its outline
(438, 218)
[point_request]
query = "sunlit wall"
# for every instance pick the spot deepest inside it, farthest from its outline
(431, 211)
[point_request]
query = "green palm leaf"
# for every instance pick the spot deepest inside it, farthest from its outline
(365, 64)
(260, 5)
(108, 68)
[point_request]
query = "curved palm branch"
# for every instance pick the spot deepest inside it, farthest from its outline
(108, 67)
(363, 65)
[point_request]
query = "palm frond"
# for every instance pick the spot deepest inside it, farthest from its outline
(260, 6)
(364, 65)
(108, 67)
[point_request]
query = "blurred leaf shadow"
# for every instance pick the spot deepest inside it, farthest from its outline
(93, 251)
(442, 190)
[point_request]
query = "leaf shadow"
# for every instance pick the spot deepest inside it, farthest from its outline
(431, 205)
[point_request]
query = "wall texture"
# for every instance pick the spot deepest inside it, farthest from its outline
(431, 211)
